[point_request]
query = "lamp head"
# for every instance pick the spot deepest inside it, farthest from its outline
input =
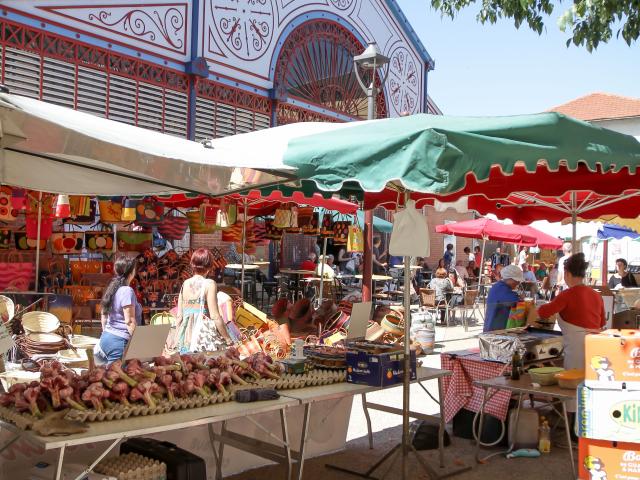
(371, 58)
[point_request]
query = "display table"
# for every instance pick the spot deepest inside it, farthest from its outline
(551, 394)
(459, 389)
(281, 451)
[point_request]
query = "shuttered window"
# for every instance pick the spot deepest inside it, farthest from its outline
(215, 120)
(122, 99)
(92, 91)
(58, 84)
(22, 72)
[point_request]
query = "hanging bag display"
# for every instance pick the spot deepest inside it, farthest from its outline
(226, 215)
(294, 226)
(312, 227)
(46, 227)
(5, 239)
(355, 241)
(208, 213)
(341, 232)
(23, 242)
(110, 209)
(149, 213)
(100, 241)
(134, 241)
(7, 212)
(174, 226)
(282, 218)
(271, 231)
(326, 229)
(195, 224)
(83, 210)
(67, 243)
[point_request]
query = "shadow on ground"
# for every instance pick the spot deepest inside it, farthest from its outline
(357, 456)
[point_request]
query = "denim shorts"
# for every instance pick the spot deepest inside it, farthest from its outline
(111, 348)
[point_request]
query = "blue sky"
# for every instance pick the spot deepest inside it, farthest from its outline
(499, 70)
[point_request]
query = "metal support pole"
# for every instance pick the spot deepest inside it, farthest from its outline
(605, 263)
(406, 385)
(484, 241)
(367, 271)
(574, 221)
(324, 257)
(39, 226)
(244, 242)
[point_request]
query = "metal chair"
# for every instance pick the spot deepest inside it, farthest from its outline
(429, 301)
(470, 304)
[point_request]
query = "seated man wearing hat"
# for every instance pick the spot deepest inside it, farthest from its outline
(502, 297)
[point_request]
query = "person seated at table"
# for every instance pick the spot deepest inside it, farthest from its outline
(530, 284)
(379, 267)
(622, 278)
(461, 271)
(459, 284)
(496, 273)
(541, 271)
(309, 263)
(581, 311)
(324, 266)
(502, 298)
(443, 287)
(473, 272)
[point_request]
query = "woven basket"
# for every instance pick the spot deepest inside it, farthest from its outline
(393, 324)
(7, 309)
(40, 322)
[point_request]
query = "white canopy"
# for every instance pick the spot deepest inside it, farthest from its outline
(60, 150)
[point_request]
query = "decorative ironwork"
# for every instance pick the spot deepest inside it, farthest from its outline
(342, 4)
(403, 82)
(245, 26)
(233, 96)
(316, 65)
(92, 79)
(163, 26)
(287, 113)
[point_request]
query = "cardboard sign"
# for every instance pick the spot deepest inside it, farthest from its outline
(147, 342)
(608, 414)
(360, 316)
(612, 359)
(606, 459)
(6, 340)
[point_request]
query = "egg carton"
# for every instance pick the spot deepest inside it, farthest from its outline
(120, 412)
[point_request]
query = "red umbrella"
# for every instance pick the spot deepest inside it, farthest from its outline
(488, 229)
(543, 240)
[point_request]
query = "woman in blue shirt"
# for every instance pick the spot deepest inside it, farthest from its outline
(121, 312)
(502, 297)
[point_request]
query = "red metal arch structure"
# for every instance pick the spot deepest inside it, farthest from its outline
(316, 66)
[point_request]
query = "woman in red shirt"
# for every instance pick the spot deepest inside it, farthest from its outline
(581, 310)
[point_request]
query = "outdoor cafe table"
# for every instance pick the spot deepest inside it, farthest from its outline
(296, 275)
(116, 431)
(551, 394)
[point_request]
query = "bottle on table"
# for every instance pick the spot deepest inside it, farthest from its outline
(544, 441)
(515, 366)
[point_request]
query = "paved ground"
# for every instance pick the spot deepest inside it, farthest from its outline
(387, 428)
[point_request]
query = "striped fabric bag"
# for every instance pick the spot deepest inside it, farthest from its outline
(174, 225)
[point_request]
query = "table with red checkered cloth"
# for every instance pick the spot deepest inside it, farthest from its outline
(459, 390)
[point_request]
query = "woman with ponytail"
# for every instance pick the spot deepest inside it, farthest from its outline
(121, 312)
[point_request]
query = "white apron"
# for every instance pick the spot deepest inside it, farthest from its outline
(573, 344)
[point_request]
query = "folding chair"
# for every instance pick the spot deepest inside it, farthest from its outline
(470, 304)
(428, 300)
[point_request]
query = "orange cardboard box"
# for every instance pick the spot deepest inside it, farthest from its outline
(603, 459)
(612, 358)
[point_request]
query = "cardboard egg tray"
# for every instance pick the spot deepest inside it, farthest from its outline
(315, 377)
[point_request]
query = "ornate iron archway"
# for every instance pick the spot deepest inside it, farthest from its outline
(316, 66)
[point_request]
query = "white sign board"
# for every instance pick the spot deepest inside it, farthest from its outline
(6, 340)
(360, 316)
(147, 341)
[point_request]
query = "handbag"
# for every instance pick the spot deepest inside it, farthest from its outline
(7, 212)
(134, 241)
(110, 209)
(174, 225)
(305, 217)
(208, 213)
(149, 213)
(226, 215)
(355, 242)
(234, 233)
(46, 227)
(99, 241)
(341, 232)
(326, 229)
(5, 239)
(271, 231)
(67, 243)
(195, 224)
(83, 210)
(17, 276)
(282, 218)
(312, 227)
(23, 242)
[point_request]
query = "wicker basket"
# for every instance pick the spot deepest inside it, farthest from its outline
(40, 322)
(428, 297)
(7, 308)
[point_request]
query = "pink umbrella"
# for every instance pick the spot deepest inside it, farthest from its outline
(543, 240)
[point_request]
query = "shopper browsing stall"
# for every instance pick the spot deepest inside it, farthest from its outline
(581, 311)
(121, 312)
(199, 325)
(502, 298)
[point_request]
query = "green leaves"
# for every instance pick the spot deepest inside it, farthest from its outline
(589, 22)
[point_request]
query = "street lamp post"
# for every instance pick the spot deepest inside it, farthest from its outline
(370, 60)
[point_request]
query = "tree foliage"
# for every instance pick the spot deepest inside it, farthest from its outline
(589, 22)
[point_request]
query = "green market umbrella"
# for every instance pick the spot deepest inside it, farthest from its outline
(379, 224)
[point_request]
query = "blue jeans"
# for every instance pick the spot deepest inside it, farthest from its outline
(111, 348)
